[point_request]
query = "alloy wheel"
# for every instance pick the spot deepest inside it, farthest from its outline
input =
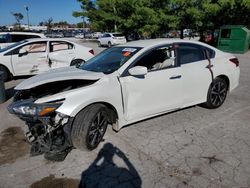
(97, 129)
(218, 93)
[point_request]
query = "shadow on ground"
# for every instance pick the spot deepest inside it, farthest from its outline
(102, 173)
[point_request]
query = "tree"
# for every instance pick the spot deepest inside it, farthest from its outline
(41, 23)
(86, 6)
(151, 18)
(49, 24)
(18, 16)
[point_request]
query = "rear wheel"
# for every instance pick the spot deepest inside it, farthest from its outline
(6, 74)
(89, 127)
(76, 62)
(217, 93)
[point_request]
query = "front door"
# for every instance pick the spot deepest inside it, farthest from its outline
(33, 61)
(160, 90)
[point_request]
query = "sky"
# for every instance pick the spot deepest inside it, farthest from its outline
(39, 10)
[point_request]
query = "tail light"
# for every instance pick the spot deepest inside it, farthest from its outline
(92, 51)
(234, 61)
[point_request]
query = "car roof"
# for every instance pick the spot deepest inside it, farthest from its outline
(160, 41)
(47, 39)
(23, 33)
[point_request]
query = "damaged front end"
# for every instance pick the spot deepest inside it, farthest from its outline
(48, 130)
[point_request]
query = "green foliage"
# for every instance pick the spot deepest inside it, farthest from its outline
(151, 18)
(18, 16)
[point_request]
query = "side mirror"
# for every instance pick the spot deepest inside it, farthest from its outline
(22, 52)
(138, 71)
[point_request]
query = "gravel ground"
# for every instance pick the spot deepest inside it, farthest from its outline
(194, 147)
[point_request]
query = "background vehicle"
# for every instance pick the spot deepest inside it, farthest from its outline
(8, 38)
(120, 86)
(110, 39)
(79, 36)
(34, 56)
(96, 35)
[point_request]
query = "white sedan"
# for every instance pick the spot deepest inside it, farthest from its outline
(120, 86)
(34, 56)
(111, 39)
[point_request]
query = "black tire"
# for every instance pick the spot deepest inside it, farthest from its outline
(109, 44)
(89, 127)
(6, 74)
(217, 93)
(76, 62)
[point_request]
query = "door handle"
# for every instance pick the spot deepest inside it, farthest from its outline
(175, 77)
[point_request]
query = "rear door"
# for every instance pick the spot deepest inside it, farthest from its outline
(61, 53)
(196, 76)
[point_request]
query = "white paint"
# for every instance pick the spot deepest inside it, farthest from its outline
(38, 62)
(137, 98)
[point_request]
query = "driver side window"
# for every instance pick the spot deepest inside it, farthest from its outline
(158, 59)
(35, 47)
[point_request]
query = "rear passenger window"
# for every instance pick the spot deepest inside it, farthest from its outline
(58, 46)
(189, 53)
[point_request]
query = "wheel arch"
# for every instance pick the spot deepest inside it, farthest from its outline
(112, 112)
(2, 65)
(224, 77)
(76, 59)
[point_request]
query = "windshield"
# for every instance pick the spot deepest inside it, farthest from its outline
(12, 46)
(110, 60)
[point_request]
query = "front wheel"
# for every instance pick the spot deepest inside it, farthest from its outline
(89, 127)
(217, 93)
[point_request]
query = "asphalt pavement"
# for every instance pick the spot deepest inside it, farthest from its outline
(193, 147)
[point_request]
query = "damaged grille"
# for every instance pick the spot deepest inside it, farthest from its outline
(51, 88)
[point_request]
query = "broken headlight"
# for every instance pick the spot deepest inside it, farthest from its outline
(32, 109)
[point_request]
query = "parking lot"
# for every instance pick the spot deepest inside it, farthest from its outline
(193, 147)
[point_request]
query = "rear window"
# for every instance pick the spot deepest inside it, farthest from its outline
(118, 35)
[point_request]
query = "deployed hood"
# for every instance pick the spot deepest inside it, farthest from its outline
(61, 74)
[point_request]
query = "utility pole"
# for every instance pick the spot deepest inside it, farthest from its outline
(27, 11)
